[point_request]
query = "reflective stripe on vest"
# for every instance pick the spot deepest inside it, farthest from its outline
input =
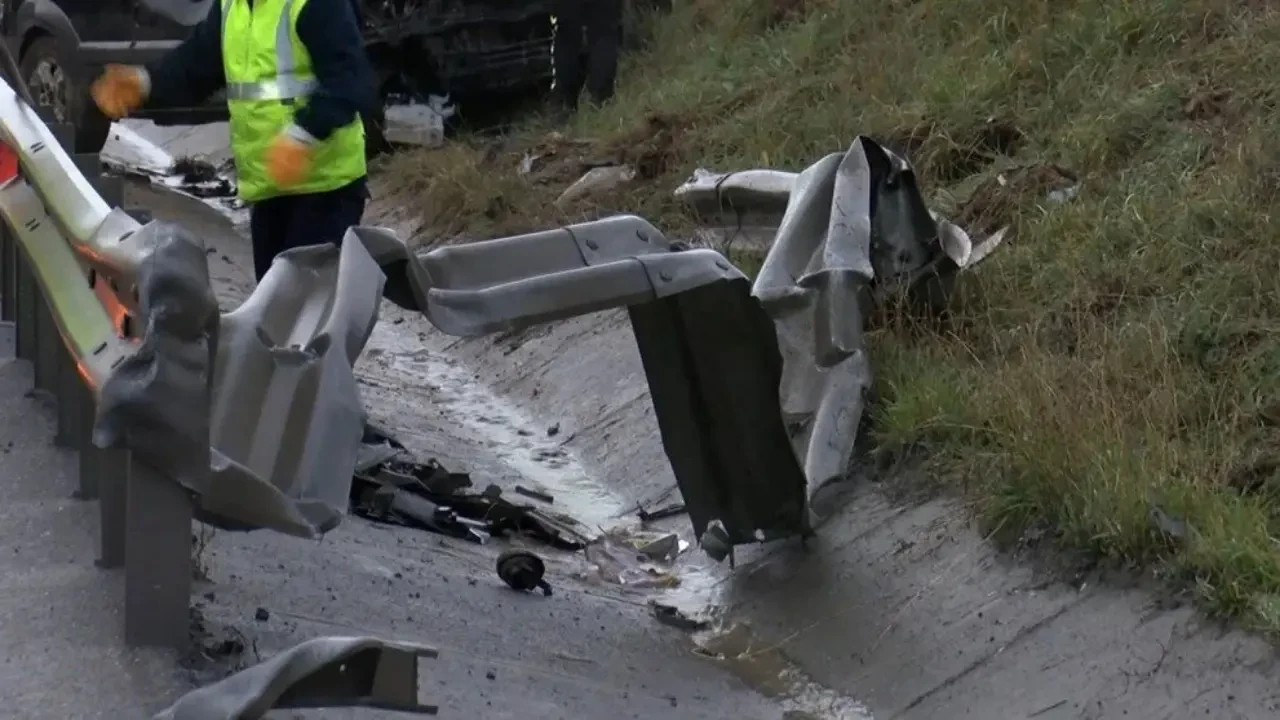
(269, 76)
(286, 85)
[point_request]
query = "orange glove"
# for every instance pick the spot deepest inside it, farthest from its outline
(289, 158)
(120, 90)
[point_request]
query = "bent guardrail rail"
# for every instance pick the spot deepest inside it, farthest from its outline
(286, 418)
(121, 325)
(327, 672)
(854, 233)
(759, 389)
(704, 342)
(74, 325)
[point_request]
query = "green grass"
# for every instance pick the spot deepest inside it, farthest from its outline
(1118, 359)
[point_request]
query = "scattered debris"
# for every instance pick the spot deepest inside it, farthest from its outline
(676, 618)
(201, 178)
(616, 558)
(1000, 197)
(522, 570)
(129, 154)
(667, 511)
(554, 430)
(535, 494)
(415, 123)
(262, 614)
(715, 541)
(663, 549)
(597, 180)
(430, 497)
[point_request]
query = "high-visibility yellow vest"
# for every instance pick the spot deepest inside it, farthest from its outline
(269, 75)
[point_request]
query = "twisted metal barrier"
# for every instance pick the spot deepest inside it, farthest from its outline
(251, 419)
(75, 334)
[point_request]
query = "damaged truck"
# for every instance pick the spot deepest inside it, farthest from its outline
(478, 53)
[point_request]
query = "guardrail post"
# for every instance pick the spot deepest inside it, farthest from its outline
(25, 313)
(47, 339)
(158, 564)
(8, 275)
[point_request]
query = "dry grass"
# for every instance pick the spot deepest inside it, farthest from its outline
(1111, 382)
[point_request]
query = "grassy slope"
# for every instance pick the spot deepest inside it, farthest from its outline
(1117, 361)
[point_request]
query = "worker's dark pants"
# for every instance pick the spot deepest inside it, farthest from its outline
(289, 221)
(602, 21)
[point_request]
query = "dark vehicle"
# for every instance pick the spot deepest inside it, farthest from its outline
(472, 51)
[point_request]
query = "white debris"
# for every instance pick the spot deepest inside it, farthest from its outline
(128, 151)
(418, 123)
(601, 179)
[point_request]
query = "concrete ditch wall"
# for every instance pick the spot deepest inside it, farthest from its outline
(905, 607)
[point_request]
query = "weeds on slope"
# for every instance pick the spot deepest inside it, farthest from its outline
(1110, 379)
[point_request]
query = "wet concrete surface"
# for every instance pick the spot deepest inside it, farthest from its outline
(62, 653)
(593, 649)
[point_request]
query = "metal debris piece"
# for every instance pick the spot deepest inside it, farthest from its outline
(535, 494)
(676, 618)
(853, 234)
(522, 570)
(325, 672)
(419, 124)
(617, 561)
(661, 513)
(664, 548)
(597, 180)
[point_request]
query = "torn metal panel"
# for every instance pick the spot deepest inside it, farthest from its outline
(855, 232)
(156, 400)
(327, 672)
(712, 361)
(287, 421)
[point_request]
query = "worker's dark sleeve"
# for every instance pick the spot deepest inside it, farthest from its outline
(329, 30)
(191, 72)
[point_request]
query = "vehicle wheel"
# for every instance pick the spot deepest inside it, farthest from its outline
(57, 81)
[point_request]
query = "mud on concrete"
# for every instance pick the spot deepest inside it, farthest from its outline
(905, 607)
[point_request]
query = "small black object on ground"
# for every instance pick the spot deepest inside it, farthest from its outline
(522, 570)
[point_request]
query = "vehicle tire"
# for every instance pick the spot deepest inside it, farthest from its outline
(57, 80)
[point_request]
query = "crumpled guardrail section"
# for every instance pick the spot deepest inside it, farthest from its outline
(705, 344)
(286, 413)
(156, 400)
(496, 285)
(327, 672)
(250, 420)
(75, 271)
(855, 231)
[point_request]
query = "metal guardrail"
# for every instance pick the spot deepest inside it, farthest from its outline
(145, 518)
